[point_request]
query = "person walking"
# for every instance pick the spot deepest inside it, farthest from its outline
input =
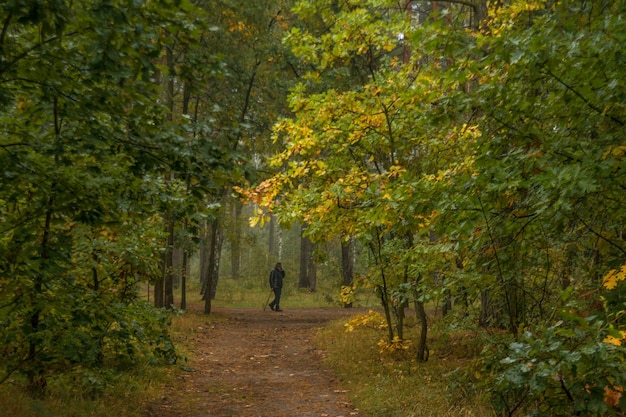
(276, 284)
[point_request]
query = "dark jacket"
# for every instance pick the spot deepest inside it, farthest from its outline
(276, 278)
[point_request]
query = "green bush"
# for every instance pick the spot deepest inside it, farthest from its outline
(565, 369)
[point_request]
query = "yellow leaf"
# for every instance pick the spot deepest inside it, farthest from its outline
(613, 277)
(611, 340)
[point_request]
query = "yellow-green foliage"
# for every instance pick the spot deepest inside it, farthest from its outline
(371, 319)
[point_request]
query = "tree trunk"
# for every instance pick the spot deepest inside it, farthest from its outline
(163, 287)
(420, 313)
(168, 296)
(347, 261)
(279, 242)
(177, 264)
(183, 280)
(211, 266)
(347, 264)
(486, 309)
(308, 269)
(384, 301)
(399, 312)
(235, 238)
(272, 252)
(204, 258)
(515, 304)
(36, 378)
(305, 254)
(158, 288)
(381, 289)
(312, 270)
(217, 253)
(479, 13)
(447, 301)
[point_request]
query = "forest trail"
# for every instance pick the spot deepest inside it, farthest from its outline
(255, 363)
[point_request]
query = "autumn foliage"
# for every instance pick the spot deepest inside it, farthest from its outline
(477, 153)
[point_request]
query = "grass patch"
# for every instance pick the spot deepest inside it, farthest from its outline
(393, 384)
(253, 293)
(124, 396)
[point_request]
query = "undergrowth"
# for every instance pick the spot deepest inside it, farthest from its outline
(120, 393)
(383, 380)
(387, 382)
(123, 395)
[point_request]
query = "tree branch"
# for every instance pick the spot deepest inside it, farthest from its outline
(583, 98)
(609, 241)
(5, 29)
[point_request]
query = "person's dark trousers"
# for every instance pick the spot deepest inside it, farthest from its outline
(275, 304)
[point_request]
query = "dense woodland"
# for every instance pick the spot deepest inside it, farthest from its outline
(467, 156)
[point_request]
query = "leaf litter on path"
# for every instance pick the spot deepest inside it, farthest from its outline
(254, 363)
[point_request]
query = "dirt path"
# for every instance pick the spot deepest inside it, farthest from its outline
(254, 363)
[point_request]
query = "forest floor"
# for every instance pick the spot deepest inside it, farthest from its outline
(255, 363)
